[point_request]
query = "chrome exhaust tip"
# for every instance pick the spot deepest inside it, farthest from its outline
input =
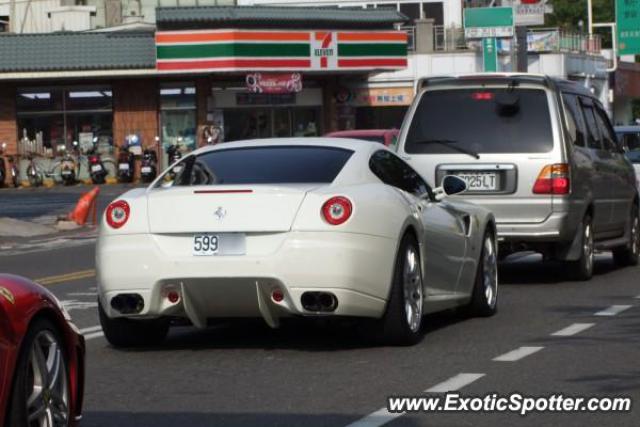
(319, 301)
(128, 303)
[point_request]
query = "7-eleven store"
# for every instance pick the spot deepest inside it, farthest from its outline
(277, 72)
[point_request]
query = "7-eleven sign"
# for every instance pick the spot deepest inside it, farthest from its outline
(324, 51)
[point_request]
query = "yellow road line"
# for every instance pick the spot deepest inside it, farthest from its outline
(69, 277)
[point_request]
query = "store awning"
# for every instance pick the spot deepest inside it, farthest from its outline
(242, 50)
(269, 38)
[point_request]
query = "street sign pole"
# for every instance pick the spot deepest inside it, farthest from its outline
(487, 24)
(490, 54)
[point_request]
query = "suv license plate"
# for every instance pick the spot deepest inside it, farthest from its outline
(480, 181)
(205, 245)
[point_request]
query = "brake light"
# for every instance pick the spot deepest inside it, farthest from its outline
(482, 96)
(93, 159)
(553, 179)
(117, 213)
(337, 210)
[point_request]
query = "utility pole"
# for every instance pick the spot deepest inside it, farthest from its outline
(12, 16)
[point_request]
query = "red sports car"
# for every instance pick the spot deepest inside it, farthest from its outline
(41, 358)
(387, 137)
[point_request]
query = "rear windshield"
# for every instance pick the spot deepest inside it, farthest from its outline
(265, 165)
(481, 121)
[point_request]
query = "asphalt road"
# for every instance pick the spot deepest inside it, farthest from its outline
(244, 374)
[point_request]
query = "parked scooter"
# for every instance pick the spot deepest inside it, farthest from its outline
(68, 167)
(173, 155)
(34, 175)
(3, 167)
(15, 174)
(149, 165)
(96, 168)
(126, 164)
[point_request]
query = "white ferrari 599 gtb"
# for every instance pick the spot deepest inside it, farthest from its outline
(292, 227)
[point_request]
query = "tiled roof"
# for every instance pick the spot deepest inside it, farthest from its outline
(75, 51)
(284, 17)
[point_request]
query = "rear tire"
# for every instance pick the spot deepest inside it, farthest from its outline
(484, 299)
(629, 255)
(122, 332)
(582, 268)
(401, 322)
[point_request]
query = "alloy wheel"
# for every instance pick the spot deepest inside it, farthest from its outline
(635, 235)
(490, 271)
(587, 247)
(412, 282)
(47, 385)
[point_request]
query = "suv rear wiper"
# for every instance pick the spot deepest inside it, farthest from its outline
(451, 144)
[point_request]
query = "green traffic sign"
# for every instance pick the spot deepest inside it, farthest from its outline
(628, 20)
(490, 54)
(480, 22)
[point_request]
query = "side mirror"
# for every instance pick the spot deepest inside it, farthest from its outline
(451, 185)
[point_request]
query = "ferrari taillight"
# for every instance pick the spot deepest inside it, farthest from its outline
(337, 210)
(553, 179)
(117, 213)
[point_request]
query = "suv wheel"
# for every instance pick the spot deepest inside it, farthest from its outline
(630, 253)
(582, 269)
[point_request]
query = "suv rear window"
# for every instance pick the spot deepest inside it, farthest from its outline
(265, 165)
(481, 120)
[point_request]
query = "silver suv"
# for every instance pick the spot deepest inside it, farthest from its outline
(540, 153)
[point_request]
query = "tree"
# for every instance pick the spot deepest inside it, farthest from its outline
(567, 14)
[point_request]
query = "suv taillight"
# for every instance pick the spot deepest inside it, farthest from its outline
(337, 210)
(553, 179)
(117, 214)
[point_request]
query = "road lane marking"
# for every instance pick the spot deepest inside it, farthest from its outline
(454, 383)
(91, 329)
(382, 416)
(517, 354)
(93, 335)
(376, 419)
(82, 294)
(69, 277)
(613, 310)
(574, 329)
(638, 297)
(78, 305)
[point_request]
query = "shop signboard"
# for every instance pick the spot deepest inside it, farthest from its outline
(380, 97)
(529, 12)
(261, 50)
(628, 20)
(274, 82)
(481, 22)
(490, 54)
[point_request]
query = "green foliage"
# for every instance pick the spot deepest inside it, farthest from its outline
(568, 13)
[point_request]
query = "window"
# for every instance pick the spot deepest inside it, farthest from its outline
(411, 10)
(178, 115)
(631, 142)
(593, 136)
(393, 171)
(434, 11)
(265, 165)
(608, 135)
(51, 117)
(574, 119)
(481, 121)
